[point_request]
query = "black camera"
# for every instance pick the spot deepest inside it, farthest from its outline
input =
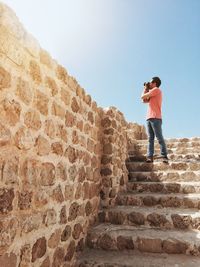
(147, 85)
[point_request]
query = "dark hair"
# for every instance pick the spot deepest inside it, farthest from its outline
(156, 80)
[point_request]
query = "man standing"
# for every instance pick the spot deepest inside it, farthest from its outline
(153, 96)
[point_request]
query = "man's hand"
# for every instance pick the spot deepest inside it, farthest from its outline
(145, 97)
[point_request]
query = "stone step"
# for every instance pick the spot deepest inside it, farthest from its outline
(160, 166)
(163, 218)
(167, 176)
(171, 144)
(125, 258)
(159, 200)
(178, 151)
(164, 187)
(127, 237)
(190, 157)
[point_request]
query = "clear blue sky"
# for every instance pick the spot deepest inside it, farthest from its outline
(112, 46)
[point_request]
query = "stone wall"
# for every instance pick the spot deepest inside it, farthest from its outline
(115, 151)
(59, 154)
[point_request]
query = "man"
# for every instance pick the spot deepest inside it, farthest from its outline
(153, 96)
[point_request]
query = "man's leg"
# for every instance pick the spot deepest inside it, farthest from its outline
(151, 136)
(157, 127)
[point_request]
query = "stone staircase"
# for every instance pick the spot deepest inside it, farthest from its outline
(156, 222)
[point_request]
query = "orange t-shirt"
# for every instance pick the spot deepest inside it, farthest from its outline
(155, 104)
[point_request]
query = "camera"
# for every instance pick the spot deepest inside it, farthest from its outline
(147, 85)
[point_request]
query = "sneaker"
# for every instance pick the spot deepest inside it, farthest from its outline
(149, 159)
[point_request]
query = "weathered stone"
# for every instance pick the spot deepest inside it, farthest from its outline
(31, 222)
(5, 78)
(149, 245)
(106, 122)
(41, 198)
(24, 91)
(47, 174)
(49, 217)
(61, 171)
(57, 148)
(88, 208)
(71, 154)
(116, 217)
(173, 246)
(124, 243)
(106, 159)
(156, 219)
(75, 137)
(24, 139)
(35, 71)
(24, 200)
(72, 173)
(69, 192)
(8, 260)
(73, 211)
(150, 201)
(10, 171)
(62, 74)
(66, 234)
(108, 149)
(63, 215)
(58, 257)
(10, 111)
(181, 221)
(43, 146)
(45, 58)
(65, 96)
(57, 110)
(78, 193)
(78, 229)
(62, 133)
(6, 199)
(69, 119)
(106, 242)
(41, 102)
(50, 128)
(70, 251)
(170, 201)
(75, 106)
(5, 135)
(52, 85)
(32, 120)
(57, 194)
(106, 172)
(8, 230)
(88, 100)
(31, 171)
(81, 174)
(91, 117)
(90, 145)
(54, 239)
(136, 218)
(39, 249)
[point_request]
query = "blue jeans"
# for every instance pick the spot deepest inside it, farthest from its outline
(154, 129)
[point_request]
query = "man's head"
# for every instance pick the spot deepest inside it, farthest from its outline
(155, 82)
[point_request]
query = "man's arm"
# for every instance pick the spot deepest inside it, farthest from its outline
(145, 96)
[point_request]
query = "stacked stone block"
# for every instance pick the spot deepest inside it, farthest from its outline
(113, 169)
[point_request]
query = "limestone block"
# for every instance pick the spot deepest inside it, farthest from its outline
(70, 251)
(32, 120)
(58, 257)
(10, 111)
(39, 248)
(24, 139)
(66, 234)
(52, 85)
(54, 239)
(63, 215)
(6, 199)
(24, 200)
(73, 211)
(149, 245)
(124, 243)
(78, 229)
(47, 174)
(41, 102)
(5, 78)
(65, 96)
(43, 146)
(74, 105)
(57, 110)
(35, 72)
